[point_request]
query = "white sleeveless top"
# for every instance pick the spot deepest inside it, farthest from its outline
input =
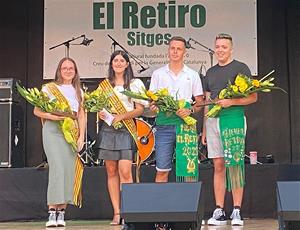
(69, 92)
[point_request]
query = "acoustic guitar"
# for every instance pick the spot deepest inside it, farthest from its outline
(146, 139)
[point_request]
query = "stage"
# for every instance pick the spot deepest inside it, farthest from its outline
(257, 224)
(23, 192)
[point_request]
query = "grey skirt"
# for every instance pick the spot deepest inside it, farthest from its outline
(61, 160)
(115, 144)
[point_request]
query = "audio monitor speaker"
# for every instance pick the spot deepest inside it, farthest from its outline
(288, 204)
(179, 204)
(12, 151)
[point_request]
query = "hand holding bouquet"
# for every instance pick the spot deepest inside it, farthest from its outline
(98, 100)
(243, 86)
(41, 100)
(163, 100)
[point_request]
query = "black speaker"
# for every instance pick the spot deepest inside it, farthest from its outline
(179, 204)
(12, 151)
(288, 204)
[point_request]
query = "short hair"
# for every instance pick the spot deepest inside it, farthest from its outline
(224, 36)
(178, 38)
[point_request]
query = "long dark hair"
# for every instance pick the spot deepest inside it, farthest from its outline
(75, 81)
(128, 74)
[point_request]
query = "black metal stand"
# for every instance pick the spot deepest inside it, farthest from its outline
(67, 45)
(144, 66)
(210, 51)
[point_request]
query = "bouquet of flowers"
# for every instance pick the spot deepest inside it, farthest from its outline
(41, 100)
(163, 100)
(242, 87)
(96, 101)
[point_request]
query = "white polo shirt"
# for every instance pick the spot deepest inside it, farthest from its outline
(182, 86)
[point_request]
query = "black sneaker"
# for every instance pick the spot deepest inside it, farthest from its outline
(218, 218)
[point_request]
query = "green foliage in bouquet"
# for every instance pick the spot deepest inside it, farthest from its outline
(98, 100)
(41, 100)
(243, 86)
(95, 101)
(163, 100)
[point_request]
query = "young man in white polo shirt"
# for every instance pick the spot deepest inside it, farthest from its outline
(182, 83)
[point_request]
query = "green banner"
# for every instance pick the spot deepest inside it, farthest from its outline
(186, 153)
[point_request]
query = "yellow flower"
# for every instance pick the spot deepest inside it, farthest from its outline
(222, 93)
(239, 80)
(255, 83)
(67, 124)
(234, 88)
(61, 106)
(149, 93)
(154, 98)
(86, 96)
(163, 92)
(243, 87)
(181, 103)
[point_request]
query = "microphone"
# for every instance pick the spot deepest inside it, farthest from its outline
(188, 44)
(86, 41)
(143, 69)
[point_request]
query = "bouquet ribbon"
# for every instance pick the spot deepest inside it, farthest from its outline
(186, 146)
(232, 130)
(70, 130)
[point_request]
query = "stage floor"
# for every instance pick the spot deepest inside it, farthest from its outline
(250, 224)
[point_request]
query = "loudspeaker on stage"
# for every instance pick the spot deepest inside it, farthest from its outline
(288, 205)
(179, 204)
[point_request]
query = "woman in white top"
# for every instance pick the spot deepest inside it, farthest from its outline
(116, 146)
(61, 157)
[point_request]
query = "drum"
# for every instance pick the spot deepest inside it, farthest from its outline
(145, 139)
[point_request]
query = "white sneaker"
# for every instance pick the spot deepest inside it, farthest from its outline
(61, 218)
(52, 219)
(236, 219)
(218, 218)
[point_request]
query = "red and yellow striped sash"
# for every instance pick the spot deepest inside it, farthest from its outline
(119, 107)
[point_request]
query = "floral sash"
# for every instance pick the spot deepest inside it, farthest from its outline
(186, 146)
(232, 129)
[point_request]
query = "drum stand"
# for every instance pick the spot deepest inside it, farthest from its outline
(87, 153)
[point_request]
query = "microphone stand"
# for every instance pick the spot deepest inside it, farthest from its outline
(136, 59)
(67, 45)
(210, 51)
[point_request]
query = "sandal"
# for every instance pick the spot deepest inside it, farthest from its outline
(117, 220)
